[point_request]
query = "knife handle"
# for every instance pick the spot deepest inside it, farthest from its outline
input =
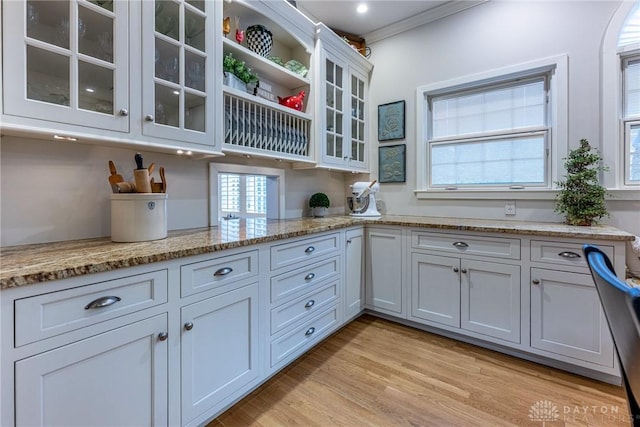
(142, 181)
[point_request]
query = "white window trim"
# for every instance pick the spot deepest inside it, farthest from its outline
(215, 168)
(612, 129)
(559, 117)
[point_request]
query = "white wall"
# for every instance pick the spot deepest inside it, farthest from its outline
(54, 191)
(490, 36)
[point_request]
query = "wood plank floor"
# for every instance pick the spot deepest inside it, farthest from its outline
(377, 373)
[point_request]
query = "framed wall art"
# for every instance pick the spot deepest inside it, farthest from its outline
(391, 121)
(392, 160)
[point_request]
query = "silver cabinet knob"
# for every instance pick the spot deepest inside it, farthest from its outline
(162, 336)
(348, 241)
(310, 331)
(456, 269)
(460, 245)
(123, 112)
(309, 276)
(149, 117)
(188, 326)
(535, 281)
(464, 271)
(309, 250)
(309, 304)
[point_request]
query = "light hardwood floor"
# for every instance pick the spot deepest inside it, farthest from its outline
(377, 373)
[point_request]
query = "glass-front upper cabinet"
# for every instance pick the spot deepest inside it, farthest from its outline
(342, 135)
(67, 61)
(179, 82)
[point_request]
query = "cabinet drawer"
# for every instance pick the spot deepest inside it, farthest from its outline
(560, 253)
(304, 250)
(306, 306)
(218, 272)
(300, 339)
(47, 315)
(288, 284)
(495, 247)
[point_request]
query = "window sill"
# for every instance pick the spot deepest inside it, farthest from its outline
(513, 194)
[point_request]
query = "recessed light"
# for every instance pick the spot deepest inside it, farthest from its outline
(175, 92)
(362, 8)
(90, 90)
(64, 138)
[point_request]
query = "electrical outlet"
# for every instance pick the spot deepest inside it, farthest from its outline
(510, 208)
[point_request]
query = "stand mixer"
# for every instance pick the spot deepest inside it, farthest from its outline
(363, 201)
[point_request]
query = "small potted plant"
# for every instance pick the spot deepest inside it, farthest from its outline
(581, 197)
(237, 74)
(319, 202)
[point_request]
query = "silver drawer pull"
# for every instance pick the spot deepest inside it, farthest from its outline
(310, 331)
(309, 303)
(102, 302)
(460, 245)
(309, 250)
(535, 281)
(162, 336)
(569, 255)
(188, 326)
(223, 271)
(309, 276)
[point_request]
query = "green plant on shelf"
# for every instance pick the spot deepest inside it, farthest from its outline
(238, 68)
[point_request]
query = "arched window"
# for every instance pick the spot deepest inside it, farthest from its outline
(630, 33)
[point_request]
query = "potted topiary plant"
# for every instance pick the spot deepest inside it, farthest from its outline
(237, 74)
(581, 196)
(319, 202)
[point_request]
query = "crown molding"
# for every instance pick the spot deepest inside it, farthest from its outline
(438, 12)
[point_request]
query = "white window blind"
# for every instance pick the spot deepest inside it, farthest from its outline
(495, 135)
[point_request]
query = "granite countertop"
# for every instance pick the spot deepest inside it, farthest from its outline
(28, 264)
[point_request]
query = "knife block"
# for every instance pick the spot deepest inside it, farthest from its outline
(141, 177)
(138, 217)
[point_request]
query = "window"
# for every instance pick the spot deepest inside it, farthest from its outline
(621, 108)
(253, 193)
(242, 195)
(493, 135)
(630, 36)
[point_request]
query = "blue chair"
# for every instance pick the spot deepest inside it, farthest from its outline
(621, 304)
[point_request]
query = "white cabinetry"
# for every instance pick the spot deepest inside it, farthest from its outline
(305, 295)
(219, 341)
(140, 73)
(87, 354)
(566, 316)
(473, 294)
(342, 85)
(115, 378)
(219, 347)
(354, 271)
(257, 124)
(384, 290)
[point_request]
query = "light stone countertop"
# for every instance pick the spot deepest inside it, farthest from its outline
(28, 264)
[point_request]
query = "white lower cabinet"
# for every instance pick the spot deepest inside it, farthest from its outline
(567, 318)
(115, 378)
(354, 268)
(384, 289)
(478, 296)
(219, 348)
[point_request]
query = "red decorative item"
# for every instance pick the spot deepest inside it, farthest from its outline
(294, 101)
(239, 35)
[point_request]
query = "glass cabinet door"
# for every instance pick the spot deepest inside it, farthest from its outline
(75, 64)
(334, 110)
(177, 88)
(358, 155)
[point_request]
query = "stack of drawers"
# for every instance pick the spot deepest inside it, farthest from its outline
(305, 291)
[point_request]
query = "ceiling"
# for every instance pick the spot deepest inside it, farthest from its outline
(382, 15)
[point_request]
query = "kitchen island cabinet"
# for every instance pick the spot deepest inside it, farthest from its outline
(273, 299)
